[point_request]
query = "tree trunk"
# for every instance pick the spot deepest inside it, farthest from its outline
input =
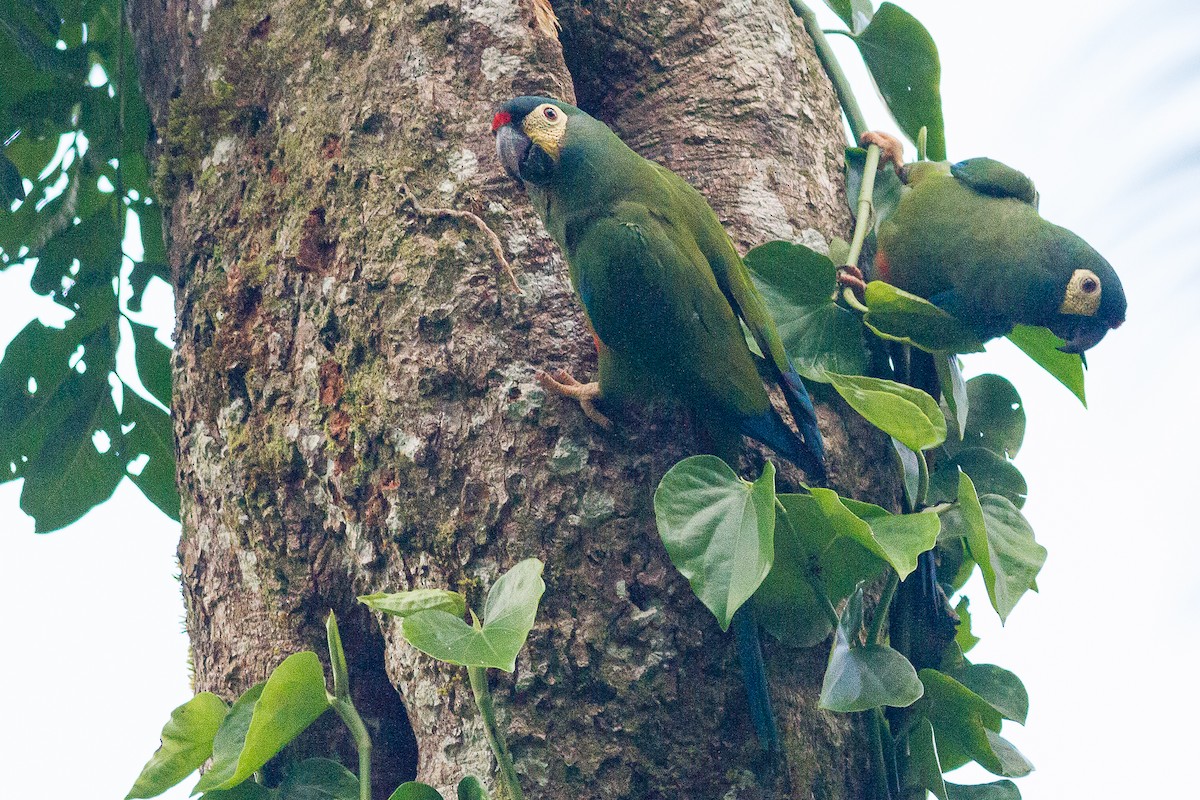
(355, 403)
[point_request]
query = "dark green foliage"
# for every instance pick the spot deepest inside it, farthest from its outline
(65, 204)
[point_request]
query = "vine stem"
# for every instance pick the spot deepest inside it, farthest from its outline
(866, 197)
(487, 712)
(344, 706)
(881, 610)
(882, 784)
(841, 84)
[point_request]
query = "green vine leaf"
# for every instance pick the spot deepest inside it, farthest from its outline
(415, 790)
(964, 637)
(719, 530)
(187, 742)
(265, 719)
(999, 790)
(471, 788)
(997, 418)
(246, 790)
(864, 676)
(1002, 689)
(787, 606)
(991, 474)
(508, 617)
(924, 766)
(319, 779)
(855, 13)
(954, 390)
(967, 728)
(906, 413)
(798, 285)
(904, 317)
(910, 468)
(403, 604)
(898, 539)
(903, 61)
(1001, 541)
(1042, 346)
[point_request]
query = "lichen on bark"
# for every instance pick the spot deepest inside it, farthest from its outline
(355, 405)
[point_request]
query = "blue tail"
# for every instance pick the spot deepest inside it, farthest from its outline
(806, 451)
(754, 676)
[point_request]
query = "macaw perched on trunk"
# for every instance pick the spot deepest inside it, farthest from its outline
(665, 294)
(660, 281)
(969, 238)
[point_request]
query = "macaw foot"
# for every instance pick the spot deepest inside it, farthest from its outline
(893, 149)
(564, 384)
(852, 276)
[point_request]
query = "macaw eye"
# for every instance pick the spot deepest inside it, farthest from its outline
(1083, 294)
(550, 113)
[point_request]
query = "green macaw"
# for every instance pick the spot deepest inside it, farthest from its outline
(665, 294)
(969, 238)
(660, 281)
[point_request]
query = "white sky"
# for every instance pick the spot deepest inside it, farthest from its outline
(1100, 103)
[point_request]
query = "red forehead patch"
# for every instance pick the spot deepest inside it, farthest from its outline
(502, 118)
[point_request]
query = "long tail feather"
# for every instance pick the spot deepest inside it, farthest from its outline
(754, 676)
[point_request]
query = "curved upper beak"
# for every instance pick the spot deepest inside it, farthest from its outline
(512, 146)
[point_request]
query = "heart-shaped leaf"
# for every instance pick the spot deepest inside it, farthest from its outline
(903, 61)
(904, 412)
(403, 604)
(924, 766)
(1001, 541)
(997, 417)
(187, 742)
(1002, 689)
(1042, 346)
(855, 13)
(954, 389)
(904, 317)
(265, 719)
(963, 722)
(508, 617)
(319, 779)
(798, 285)
(415, 790)
(860, 677)
(471, 788)
(719, 530)
(997, 790)
(898, 539)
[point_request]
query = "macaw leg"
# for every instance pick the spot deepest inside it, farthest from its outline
(754, 676)
(564, 384)
(852, 276)
(891, 147)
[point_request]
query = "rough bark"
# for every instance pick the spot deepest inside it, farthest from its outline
(355, 403)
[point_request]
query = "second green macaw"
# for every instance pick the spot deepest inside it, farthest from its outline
(968, 237)
(664, 290)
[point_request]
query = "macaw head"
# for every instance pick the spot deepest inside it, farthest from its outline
(1091, 300)
(531, 133)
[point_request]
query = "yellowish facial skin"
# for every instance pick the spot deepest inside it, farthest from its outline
(546, 126)
(1083, 294)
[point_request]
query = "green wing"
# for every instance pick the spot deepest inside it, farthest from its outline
(654, 302)
(990, 177)
(726, 266)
